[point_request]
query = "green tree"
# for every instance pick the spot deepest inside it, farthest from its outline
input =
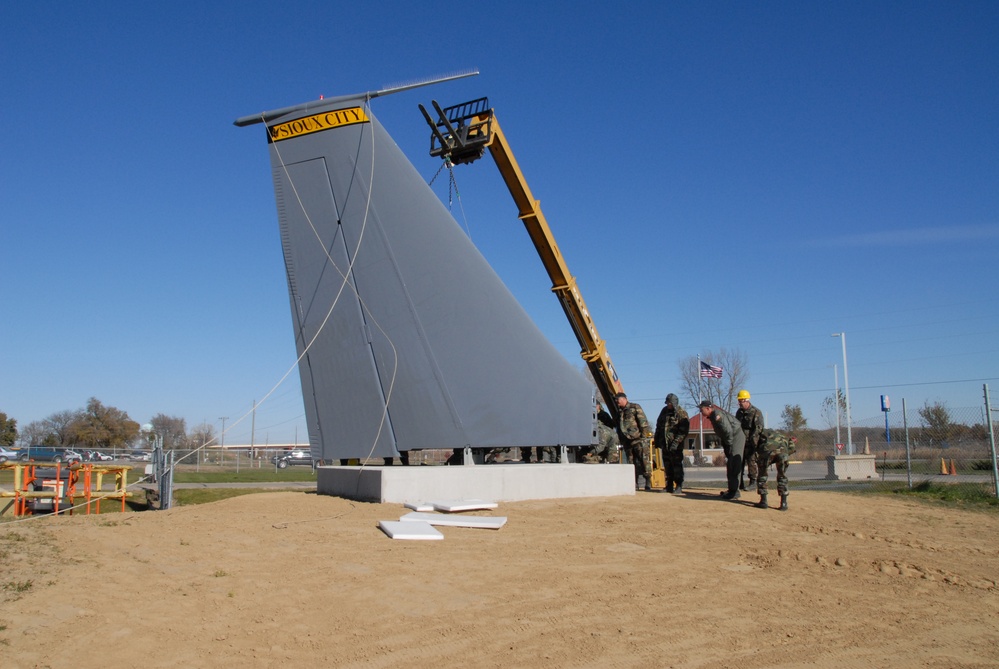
(8, 430)
(101, 427)
(793, 419)
(937, 423)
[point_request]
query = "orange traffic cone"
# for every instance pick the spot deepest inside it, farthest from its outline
(943, 467)
(953, 469)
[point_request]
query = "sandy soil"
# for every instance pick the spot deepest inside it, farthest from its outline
(295, 579)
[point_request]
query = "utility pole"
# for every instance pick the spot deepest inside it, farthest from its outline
(222, 436)
(253, 427)
(846, 390)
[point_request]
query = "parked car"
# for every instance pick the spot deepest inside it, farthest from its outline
(96, 456)
(49, 454)
(297, 456)
(7, 454)
(140, 456)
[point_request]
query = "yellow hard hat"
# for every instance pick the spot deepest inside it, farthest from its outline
(743, 395)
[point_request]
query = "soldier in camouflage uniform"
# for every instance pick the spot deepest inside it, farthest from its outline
(733, 442)
(632, 428)
(774, 449)
(751, 419)
(672, 428)
(607, 447)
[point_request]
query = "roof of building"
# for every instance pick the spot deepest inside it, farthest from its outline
(695, 424)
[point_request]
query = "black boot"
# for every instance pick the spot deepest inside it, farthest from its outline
(762, 504)
(669, 486)
(783, 502)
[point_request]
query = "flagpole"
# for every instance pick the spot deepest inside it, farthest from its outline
(700, 423)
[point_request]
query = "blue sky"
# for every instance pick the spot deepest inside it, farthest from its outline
(741, 175)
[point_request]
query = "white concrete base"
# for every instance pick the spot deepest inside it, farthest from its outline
(850, 467)
(501, 483)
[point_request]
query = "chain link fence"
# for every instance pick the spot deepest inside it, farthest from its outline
(932, 444)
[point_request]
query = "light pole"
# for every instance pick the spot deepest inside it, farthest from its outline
(846, 392)
(836, 397)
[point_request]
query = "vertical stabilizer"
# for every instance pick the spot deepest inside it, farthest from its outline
(409, 340)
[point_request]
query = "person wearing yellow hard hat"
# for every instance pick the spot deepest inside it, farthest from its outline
(751, 420)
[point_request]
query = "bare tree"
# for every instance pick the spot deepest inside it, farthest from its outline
(52, 431)
(173, 430)
(722, 392)
(201, 435)
(36, 433)
(829, 413)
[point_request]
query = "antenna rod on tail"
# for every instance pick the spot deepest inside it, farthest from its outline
(388, 90)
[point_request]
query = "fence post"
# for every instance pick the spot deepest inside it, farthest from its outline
(992, 440)
(908, 455)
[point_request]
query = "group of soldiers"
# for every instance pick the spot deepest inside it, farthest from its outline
(746, 442)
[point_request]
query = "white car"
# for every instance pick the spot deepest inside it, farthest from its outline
(7, 454)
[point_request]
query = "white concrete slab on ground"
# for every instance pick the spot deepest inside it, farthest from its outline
(479, 522)
(500, 482)
(419, 506)
(412, 530)
(453, 505)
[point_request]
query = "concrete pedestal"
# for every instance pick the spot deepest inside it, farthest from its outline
(850, 467)
(498, 483)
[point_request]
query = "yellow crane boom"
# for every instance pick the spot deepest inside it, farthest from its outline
(460, 135)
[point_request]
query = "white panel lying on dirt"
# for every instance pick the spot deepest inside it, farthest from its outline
(483, 522)
(397, 529)
(419, 506)
(461, 505)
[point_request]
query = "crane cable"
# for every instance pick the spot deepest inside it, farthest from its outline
(322, 325)
(452, 191)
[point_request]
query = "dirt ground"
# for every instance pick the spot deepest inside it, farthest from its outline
(296, 579)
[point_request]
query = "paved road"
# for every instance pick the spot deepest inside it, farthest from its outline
(816, 471)
(812, 469)
(283, 485)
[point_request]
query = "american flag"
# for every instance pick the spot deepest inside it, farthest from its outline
(710, 371)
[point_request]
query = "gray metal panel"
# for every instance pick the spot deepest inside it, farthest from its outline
(431, 332)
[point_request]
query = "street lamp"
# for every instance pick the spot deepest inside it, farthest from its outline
(836, 397)
(846, 391)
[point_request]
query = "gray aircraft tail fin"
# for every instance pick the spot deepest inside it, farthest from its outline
(408, 339)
